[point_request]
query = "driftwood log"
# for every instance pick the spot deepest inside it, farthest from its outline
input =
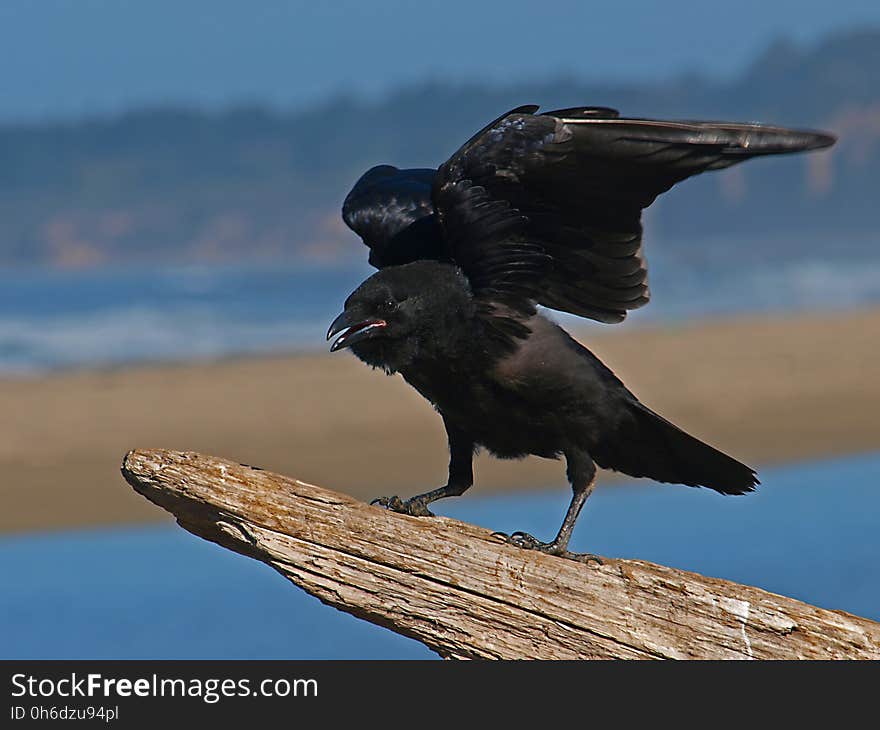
(464, 594)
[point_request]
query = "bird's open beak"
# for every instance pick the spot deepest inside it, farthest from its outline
(352, 331)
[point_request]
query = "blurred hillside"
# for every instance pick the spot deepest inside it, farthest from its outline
(183, 185)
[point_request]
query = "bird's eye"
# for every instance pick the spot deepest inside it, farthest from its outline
(390, 304)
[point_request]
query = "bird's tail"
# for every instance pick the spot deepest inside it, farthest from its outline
(650, 446)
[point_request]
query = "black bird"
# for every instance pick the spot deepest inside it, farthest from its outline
(535, 209)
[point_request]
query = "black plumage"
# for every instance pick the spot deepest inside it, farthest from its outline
(534, 210)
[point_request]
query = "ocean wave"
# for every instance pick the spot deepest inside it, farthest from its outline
(38, 343)
(720, 288)
(50, 321)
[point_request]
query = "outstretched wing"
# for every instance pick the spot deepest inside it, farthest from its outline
(392, 211)
(548, 207)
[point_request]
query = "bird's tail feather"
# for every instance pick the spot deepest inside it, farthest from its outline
(653, 447)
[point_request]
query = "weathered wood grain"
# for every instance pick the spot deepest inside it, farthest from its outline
(458, 590)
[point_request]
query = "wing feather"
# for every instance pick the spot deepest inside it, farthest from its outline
(546, 208)
(393, 213)
(573, 184)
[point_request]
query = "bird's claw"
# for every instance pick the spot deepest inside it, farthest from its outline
(414, 507)
(395, 504)
(529, 542)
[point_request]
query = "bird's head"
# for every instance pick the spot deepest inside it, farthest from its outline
(404, 313)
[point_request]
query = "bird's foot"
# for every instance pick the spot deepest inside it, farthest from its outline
(417, 507)
(529, 542)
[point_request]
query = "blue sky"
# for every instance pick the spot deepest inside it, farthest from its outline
(64, 58)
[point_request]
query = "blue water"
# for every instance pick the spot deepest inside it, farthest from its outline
(53, 319)
(810, 532)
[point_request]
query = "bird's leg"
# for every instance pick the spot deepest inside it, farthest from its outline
(461, 477)
(581, 473)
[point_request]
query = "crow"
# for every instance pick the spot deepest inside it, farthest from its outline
(534, 210)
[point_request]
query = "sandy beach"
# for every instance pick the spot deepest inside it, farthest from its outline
(766, 390)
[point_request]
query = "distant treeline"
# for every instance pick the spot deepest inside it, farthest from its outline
(183, 185)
